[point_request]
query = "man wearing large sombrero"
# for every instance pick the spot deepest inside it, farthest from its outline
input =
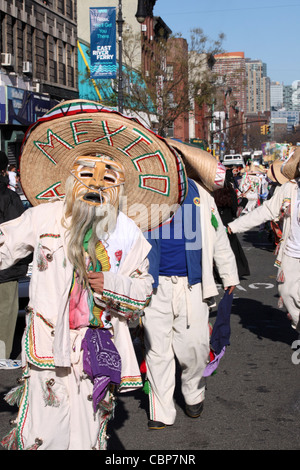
(284, 204)
(90, 267)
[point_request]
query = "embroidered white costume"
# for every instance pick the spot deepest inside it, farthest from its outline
(282, 203)
(51, 346)
(90, 267)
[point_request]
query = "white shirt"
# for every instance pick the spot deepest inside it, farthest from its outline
(12, 180)
(292, 247)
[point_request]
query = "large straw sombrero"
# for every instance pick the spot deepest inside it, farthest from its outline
(274, 173)
(154, 173)
(290, 168)
(200, 165)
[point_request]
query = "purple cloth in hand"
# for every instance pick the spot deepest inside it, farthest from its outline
(101, 361)
(212, 366)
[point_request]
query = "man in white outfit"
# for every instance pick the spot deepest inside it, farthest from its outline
(90, 268)
(176, 322)
(284, 204)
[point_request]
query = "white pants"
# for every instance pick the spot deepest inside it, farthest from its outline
(289, 290)
(176, 324)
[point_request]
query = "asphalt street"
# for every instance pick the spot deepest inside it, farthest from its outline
(252, 402)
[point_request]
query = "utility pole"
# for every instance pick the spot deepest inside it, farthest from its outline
(212, 124)
(120, 76)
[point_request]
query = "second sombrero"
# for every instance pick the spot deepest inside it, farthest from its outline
(200, 165)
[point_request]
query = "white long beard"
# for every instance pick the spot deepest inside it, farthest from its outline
(106, 219)
(100, 219)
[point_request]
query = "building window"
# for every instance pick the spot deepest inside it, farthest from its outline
(170, 73)
(61, 6)
(24, 38)
(54, 60)
(14, 38)
(45, 48)
(70, 13)
(72, 66)
(64, 64)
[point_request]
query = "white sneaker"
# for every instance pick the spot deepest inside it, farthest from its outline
(10, 364)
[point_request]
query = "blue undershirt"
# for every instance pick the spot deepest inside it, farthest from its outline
(177, 251)
(172, 250)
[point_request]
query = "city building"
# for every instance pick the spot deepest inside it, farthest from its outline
(38, 65)
(296, 95)
(277, 95)
(231, 67)
(285, 102)
(287, 97)
(258, 86)
(289, 118)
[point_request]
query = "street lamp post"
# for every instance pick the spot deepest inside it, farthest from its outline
(142, 11)
(141, 14)
(120, 76)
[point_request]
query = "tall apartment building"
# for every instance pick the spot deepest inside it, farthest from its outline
(287, 97)
(258, 87)
(276, 95)
(231, 68)
(38, 65)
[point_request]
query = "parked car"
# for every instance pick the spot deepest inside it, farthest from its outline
(257, 156)
(234, 159)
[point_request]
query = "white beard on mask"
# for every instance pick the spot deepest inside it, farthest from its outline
(101, 220)
(107, 215)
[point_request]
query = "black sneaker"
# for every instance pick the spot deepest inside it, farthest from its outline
(194, 411)
(156, 425)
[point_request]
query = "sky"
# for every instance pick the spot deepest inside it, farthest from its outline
(267, 30)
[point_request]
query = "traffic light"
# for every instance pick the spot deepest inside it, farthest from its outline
(265, 129)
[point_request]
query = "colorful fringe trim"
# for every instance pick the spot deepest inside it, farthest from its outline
(107, 409)
(49, 396)
(10, 441)
(14, 396)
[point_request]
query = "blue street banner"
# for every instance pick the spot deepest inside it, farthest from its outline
(103, 42)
